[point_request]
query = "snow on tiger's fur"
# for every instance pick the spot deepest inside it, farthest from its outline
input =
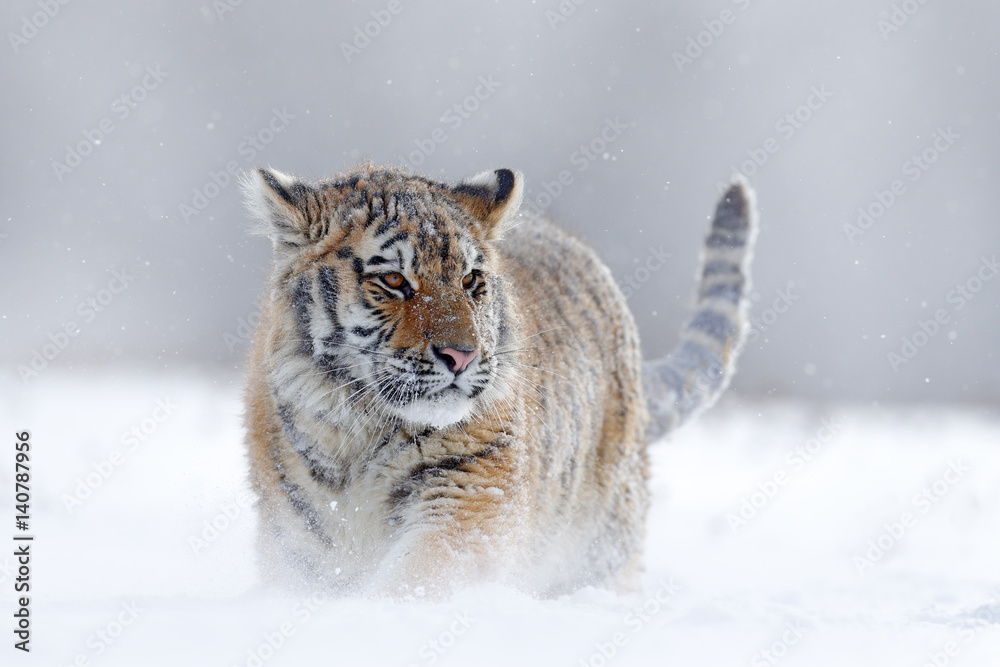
(444, 390)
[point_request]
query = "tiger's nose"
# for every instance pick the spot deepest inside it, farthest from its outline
(456, 360)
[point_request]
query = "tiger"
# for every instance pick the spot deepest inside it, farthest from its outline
(444, 389)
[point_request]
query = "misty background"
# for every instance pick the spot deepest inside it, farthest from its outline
(124, 245)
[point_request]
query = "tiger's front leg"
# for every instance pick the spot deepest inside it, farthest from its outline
(459, 519)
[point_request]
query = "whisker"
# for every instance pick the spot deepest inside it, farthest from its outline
(562, 326)
(539, 368)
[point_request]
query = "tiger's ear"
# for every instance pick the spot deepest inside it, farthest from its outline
(492, 198)
(279, 203)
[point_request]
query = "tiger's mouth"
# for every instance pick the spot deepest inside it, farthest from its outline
(423, 395)
(438, 410)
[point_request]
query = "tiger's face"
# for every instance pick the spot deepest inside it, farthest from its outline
(394, 287)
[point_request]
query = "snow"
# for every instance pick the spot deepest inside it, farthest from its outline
(126, 563)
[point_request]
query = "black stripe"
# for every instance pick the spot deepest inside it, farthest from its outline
(478, 191)
(669, 376)
(422, 473)
(336, 338)
(398, 236)
(291, 198)
(384, 441)
(348, 184)
(405, 202)
(357, 199)
(720, 267)
(731, 292)
(691, 356)
(304, 509)
(305, 447)
(295, 495)
(386, 226)
(332, 365)
(716, 325)
(301, 303)
(376, 209)
(330, 291)
(364, 332)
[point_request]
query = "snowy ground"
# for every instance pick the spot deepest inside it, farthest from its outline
(134, 575)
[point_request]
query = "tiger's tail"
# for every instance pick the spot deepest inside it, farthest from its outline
(693, 376)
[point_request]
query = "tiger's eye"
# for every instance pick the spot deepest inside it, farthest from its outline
(468, 280)
(394, 279)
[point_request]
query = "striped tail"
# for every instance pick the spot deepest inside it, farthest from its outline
(693, 376)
